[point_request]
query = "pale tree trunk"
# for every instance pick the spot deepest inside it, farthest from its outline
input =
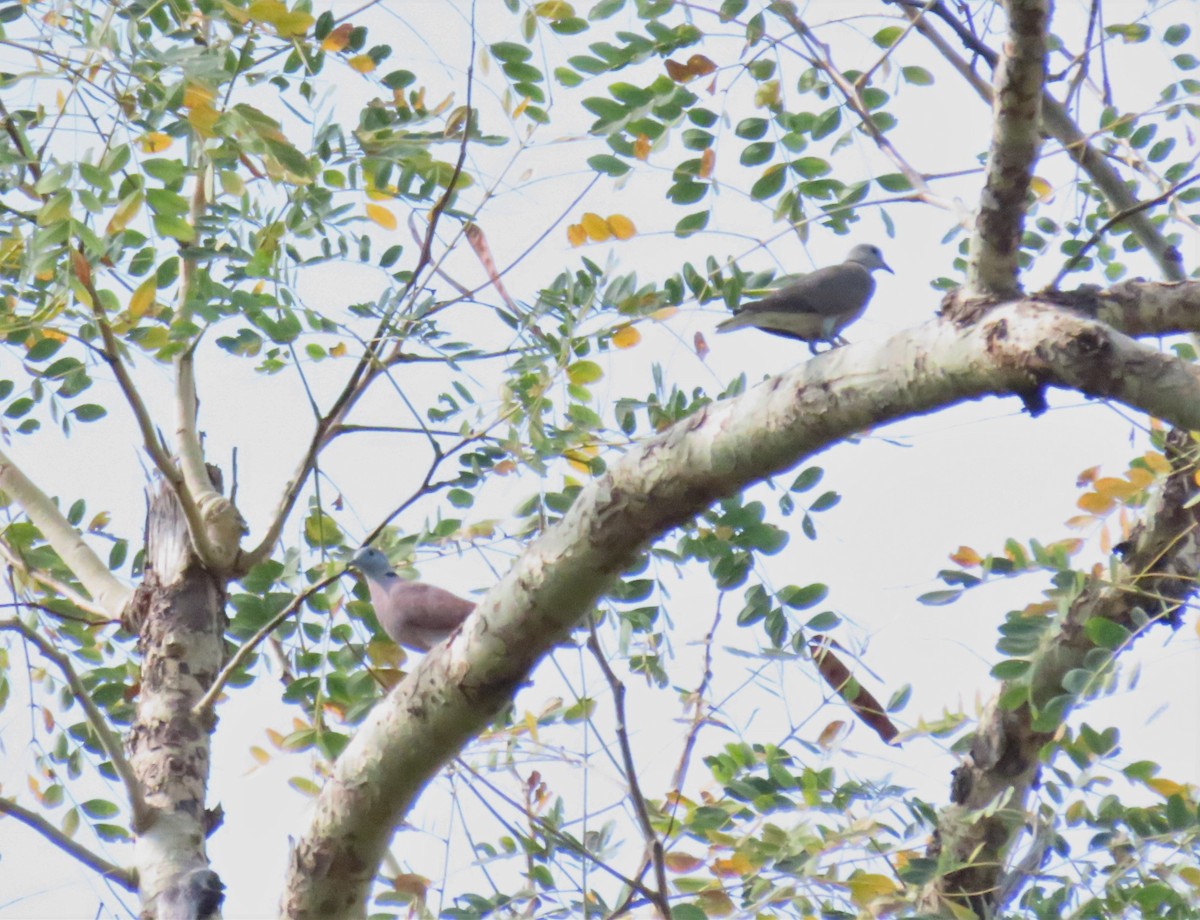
(179, 618)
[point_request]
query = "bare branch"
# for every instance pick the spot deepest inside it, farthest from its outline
(1019, 79)
(109, 740)
(123, 877)
(654, 847)
(110, 594)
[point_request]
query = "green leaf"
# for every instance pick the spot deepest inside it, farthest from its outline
(1011, 669)
(939, 598)
(608, 164)
(887, 36)
(1105, 633)
(918, 76)
(99, 808)
(769, 184)
(89, 412)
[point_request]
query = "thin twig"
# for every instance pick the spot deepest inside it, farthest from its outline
(210, 695)
(654, 847)
(123, 877)
(699, 718)
(141, 812)
(1116, 219)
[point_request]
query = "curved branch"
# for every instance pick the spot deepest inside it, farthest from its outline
(110, 594)
(458, 687)
(34, 821)
(109, 740)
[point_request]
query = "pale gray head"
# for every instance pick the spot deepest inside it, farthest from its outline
(371, 562)
(869, 257)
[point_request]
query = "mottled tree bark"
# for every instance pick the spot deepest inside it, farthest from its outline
(179, 619)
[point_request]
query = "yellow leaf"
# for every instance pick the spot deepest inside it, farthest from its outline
(337, 350)
(203, 118)
(259, 754)
(682, 862)
(276, 738)
(1166, 787)
(125, 212)
(521, 107)
(621, 226)
(736, 865)
(154, 142)
(1113, 487)
(99, 522)
(576, 235)
(381, 216)
(531, 725)
(143, 298)
(595, 226)
(382, 194)
(641, 147)
(361, 63)
(1139, 478)
(1087, 477)
(579, 457)
(866, 887)
(194, 94)
(664, 314)
(1191, 875)
(60, 99)
(708, 160)
(287, 23)
(305, 786)
(1041, 188)
(1094, 503)
(626, 337)
(965, 556)
(1157, 462)
(338, 39)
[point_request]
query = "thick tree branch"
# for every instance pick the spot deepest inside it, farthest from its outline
(36, 822)
(108, 739)
(1016, 136)
(109, 593)
(1156, 573)
(451, 695)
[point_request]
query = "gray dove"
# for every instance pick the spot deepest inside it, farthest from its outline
(815, 307)
(415, 615)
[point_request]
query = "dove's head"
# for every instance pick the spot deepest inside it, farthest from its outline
(869, 257)
(371, 562)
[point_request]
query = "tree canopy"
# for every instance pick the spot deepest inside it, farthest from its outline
(282, 280)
